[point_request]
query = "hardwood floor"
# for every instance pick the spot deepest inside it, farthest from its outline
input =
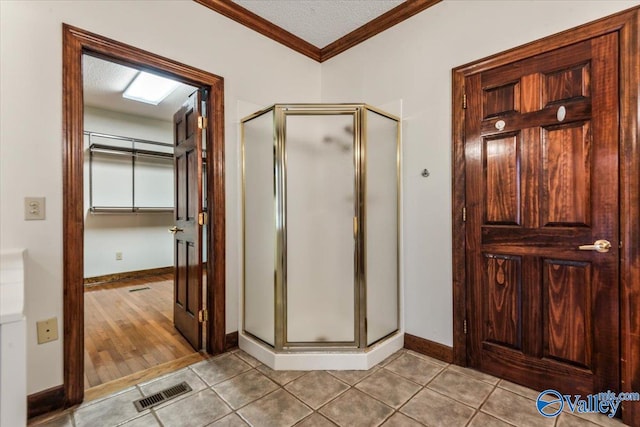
(129, 328)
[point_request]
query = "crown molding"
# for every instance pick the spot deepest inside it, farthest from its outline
(249, 19)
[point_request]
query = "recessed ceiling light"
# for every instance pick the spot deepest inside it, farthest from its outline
(149, 88)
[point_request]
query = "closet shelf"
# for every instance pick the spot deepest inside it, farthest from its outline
(102, 187)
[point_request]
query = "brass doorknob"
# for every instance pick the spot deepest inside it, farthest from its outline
(598, 246)
(175, 229)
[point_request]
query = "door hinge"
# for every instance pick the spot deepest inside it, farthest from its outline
(464, 326)
(464, 101)
(202, 122)
(464, 214)
(203, 316)
(203, 218)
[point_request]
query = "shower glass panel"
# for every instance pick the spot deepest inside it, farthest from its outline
(320, 244)
(381, 255)
(259, 230)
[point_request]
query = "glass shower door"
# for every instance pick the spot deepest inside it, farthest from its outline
(320, 244)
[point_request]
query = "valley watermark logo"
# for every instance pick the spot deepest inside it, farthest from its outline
(550, 403)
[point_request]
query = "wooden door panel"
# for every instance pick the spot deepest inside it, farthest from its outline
(503, 303)
(566, 176)
(539, 184)
(501, 100)
(565, 85)
(567, 295)
(502, 178)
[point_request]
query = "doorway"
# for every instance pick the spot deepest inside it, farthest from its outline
(545, 215)
(129, 204)
(76, 44)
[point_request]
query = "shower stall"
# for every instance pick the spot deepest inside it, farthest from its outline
(320, 226)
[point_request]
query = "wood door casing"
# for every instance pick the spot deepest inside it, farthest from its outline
(541, 312)
(188, 205)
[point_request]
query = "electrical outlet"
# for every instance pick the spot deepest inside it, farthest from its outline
(47, 330)
(34, 208)
(118, 256)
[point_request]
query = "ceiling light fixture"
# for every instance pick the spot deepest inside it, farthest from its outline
(149, 88)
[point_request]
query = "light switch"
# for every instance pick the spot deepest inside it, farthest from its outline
(34, 208)
(47, 330)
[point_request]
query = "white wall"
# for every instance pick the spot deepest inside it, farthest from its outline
(412, 61)
(256, 70)
(142, 238)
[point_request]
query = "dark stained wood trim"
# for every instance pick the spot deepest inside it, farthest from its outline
(428, 348)
(216, 290)
(77, 42)
(630, 213)
(459, 229)
(383, 22)
(231, 340)
(45, 401)
(115, 277)
(627, 23)
(249, 19)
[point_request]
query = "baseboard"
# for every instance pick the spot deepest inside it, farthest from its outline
(45, 401)
(428, 348)
(127, 275)
(231, 340)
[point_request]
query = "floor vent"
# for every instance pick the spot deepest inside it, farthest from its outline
(139, 289)
(162, 396)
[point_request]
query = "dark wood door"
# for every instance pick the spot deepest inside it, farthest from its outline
(187, 232)
(541, 150)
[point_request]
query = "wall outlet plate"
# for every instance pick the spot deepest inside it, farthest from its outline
(47, 330)
(34, 208)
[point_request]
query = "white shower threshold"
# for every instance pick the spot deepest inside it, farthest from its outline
(333, 360)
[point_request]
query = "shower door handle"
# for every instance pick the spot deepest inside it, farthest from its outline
(355, 227)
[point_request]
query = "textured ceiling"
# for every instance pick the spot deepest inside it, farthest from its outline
(104, 82)
(319, 22)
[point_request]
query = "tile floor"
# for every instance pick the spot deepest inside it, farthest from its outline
(407, 389)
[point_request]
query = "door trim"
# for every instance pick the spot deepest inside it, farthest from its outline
(627, 23)
(76, 42)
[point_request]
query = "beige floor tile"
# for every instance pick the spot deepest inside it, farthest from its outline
(436, 410)
(218, 369)
(567, 420)
(401, 420)
(353, 377)
(112, 410)
(393, 357)
(462, 388)
(515, 409)
(231, 420)
(389, 388)
(484, 420)
(281, 377)
(247, 358)
(427, 358)
(278, 409)
(199, 409)
(599, 419)
(315, 420)
(245, 388)
(316, 388)
(148, 420)
(414, 368)
(475, 374)
(355, 408)
(518, 389)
